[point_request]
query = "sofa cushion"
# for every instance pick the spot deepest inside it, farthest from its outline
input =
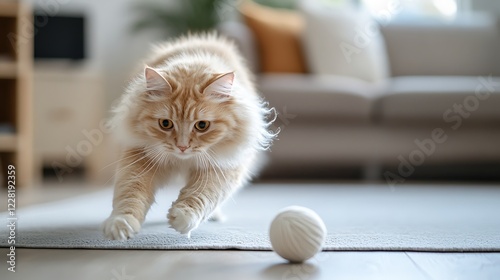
(324, 98)
(277, 32)
(343, 41)
(465, 46)
(434, 98)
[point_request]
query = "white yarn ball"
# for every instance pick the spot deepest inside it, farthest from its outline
(297, 233)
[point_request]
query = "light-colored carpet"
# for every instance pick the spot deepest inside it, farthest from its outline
(414, 218)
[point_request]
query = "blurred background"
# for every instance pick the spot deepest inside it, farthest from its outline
(367, 90)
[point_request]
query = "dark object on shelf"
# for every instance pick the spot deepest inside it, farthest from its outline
(6, 128)
(59, 37)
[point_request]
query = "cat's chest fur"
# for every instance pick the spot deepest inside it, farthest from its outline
(176, 170)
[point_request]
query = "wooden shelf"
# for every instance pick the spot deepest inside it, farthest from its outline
(8, 142)
(8, 69)
(9, 8)
(16, 91)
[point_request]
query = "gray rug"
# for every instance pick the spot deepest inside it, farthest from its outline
(414, 218)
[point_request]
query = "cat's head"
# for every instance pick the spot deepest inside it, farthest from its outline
(188, 115)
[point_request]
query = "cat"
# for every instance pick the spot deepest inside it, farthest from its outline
(193, 111)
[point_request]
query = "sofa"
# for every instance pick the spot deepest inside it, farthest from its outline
(440, 106)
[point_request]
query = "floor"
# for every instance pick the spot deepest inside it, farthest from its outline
(127, 265)
(43, 264)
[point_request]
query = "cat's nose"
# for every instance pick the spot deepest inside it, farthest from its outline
(183, 148)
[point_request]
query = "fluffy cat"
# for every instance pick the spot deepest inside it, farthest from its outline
(193, 112)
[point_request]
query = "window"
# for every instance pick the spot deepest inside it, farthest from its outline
(391, 8)
(444, 8)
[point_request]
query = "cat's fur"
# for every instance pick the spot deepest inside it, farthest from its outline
(194, 78)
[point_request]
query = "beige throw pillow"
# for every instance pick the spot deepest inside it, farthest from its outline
(344, 42)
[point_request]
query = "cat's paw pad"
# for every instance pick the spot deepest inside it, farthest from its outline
(183, 219)
(121, 227)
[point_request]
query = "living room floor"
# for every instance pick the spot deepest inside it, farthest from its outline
(233, 264)
(221, 265)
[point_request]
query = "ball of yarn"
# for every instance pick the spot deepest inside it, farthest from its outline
(297, 233)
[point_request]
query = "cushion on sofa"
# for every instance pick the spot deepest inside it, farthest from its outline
(467, 45)
(343, 41)
(277, 32)
(440, 98)
(327, 98)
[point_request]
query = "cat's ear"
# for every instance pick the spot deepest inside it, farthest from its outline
(221, 86)
(155, 82)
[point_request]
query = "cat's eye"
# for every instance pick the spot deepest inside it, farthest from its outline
(202, 125)
(166, 123)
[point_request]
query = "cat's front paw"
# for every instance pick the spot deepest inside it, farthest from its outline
(121, 227)
(183, 218)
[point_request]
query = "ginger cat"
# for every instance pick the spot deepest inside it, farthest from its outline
(193, 112)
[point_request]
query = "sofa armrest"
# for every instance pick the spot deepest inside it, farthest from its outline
(244, 39)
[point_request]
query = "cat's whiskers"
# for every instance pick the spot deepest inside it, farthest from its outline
(120, 170)
(165, 160)
(218, 166)
(197, 169)
(200, 175)
(121, 159)
(214, 162)
(209, 179)
(152, 161)
(147, 151)
(211, 175)
(209, 165)
(158, 164)
(197, 174)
